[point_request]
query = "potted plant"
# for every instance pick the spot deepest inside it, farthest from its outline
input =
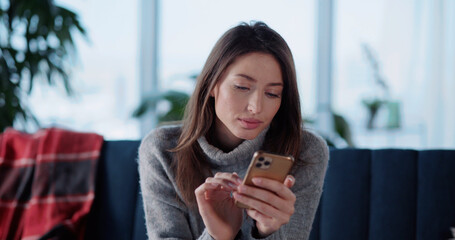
(36, 42)
(176, 99)
(381, 96)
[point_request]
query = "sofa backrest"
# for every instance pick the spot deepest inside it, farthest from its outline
(387, 194)
(368, 194)
(117, 211)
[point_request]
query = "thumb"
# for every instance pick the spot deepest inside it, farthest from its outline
(289, 181)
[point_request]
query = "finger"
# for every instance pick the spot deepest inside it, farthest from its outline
(225, 184)
(207, 191)
(234, 177)
(289, 181)
(274, 186)
(200, 192)
(204, 187)
(259, 217)
(262, 207)
(285, 205)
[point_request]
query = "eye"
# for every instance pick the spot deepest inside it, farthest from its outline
(241, 88)
(272, 95)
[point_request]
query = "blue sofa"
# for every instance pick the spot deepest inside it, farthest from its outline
(368, 194)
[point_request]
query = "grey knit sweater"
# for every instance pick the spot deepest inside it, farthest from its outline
(167, 217)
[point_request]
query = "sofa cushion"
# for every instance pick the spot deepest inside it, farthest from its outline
(114, 208)
(345, 203)
(387, 194)
(435, 194)
(393, 194)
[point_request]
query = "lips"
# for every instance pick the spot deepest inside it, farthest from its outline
(249, 123)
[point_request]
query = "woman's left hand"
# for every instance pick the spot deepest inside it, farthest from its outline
(271, 203)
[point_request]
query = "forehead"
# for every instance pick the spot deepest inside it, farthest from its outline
(257, 66)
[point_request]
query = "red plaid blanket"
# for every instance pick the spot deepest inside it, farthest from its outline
(47, 183)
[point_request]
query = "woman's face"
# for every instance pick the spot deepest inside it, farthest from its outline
(247, 97)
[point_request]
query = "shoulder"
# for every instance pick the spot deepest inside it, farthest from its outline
(159, 141)
(164, 137)
(314, 148)
(309, 170)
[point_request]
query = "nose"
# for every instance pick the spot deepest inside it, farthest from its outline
(255, 103)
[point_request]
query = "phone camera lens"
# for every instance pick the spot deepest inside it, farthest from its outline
(258, 165)
(261, 159)
(267, 163)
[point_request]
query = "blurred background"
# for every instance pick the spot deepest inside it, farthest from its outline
(372, 74)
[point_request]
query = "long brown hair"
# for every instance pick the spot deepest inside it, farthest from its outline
(284, 133)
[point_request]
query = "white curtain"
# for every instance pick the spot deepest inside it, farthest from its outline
(433, 69)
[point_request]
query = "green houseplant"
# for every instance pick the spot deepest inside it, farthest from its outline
(36, 42)
(374, 103)
(176, 99)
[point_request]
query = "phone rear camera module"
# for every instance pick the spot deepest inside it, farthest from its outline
(263, 163)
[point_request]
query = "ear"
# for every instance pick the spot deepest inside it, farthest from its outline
(212, 92)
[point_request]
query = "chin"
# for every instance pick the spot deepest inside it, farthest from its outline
(248, 134)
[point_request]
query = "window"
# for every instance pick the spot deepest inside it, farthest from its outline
(105, 76)
(189, 30)
(413, 43)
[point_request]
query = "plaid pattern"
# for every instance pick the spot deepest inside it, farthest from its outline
(47, 182)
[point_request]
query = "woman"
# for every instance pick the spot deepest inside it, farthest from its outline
(246, 99)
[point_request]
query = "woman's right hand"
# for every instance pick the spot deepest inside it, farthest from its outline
(221, 216)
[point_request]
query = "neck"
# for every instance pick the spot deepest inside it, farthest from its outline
(225, 142)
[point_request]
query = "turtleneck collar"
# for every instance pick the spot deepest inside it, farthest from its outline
(239, 155)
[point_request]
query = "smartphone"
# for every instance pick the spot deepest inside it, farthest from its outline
(267, 165)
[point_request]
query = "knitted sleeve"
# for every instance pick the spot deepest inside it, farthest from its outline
(167, 217)
(309, 175)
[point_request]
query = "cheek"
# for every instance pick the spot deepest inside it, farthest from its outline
(224, 106)
(220, 100)
(229, 102)
(274, 107)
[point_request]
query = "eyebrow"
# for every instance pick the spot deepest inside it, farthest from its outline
(254, 80)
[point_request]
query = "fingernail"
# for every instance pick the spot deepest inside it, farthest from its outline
(256, 180)
(290, 179)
